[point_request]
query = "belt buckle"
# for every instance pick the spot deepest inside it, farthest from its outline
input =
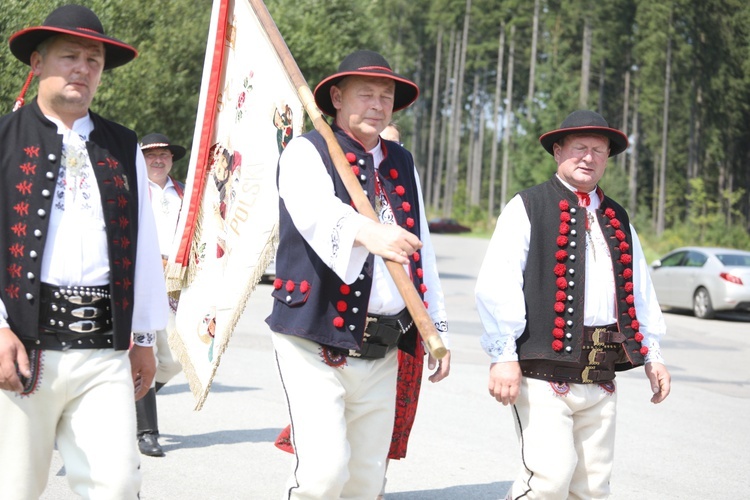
(86, 326)
(596, 336)
(585, 375)
(86, 312)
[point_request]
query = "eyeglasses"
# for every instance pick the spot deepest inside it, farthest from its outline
(161, 156)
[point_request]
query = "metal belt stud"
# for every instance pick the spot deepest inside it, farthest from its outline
(83, 326)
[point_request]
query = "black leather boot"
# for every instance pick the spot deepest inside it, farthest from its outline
(148, 428)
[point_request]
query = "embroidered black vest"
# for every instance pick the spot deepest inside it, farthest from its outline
(555, 276)
(311, 301)
(30, 155)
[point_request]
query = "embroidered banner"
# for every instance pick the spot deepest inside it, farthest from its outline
(249, 110)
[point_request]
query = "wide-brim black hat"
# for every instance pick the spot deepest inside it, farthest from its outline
(73, 20)
(366, 63)
(153, 141)
(586, 122)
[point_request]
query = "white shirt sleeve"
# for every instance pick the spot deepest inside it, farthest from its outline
(327, 224)
(150, 306)
(650, 317)
(434, 295)
(499, 288)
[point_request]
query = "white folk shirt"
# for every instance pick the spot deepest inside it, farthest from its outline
(166, 205)
(302, 178)
(502, 308)
(76, 225)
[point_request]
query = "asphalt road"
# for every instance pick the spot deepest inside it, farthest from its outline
(695, 445)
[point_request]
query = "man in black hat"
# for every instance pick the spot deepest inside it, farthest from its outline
(338, 319)
(566, 300)
(80, 271)
(166, 201)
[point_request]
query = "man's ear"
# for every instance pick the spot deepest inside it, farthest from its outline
(35, 62)
(336, 97)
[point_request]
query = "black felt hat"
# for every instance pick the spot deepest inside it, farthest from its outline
(586, 122)
(366, 63)
(153, 141)
(73, 20)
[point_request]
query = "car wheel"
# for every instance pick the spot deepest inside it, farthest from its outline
(702, 307)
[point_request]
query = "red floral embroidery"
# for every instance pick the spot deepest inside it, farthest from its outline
(14, 270)
(28, 168)
(21, 208)
(16, 250)
(122, 202)
(123, 222)
(126, 283)
(12, 291)
(24, 187)
(126, 263)
(112, 163)
(19, 229)
(124, 242)
(32, 151)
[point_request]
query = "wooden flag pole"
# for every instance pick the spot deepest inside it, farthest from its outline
(413, 301)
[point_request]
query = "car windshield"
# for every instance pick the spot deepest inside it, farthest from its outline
(734, 260)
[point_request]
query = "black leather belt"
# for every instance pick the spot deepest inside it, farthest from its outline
(74, 317)
(382, 333)
(599, 352)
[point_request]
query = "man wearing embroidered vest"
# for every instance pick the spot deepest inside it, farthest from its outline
(338, 319)
(166, 200)
(80, 271)
(566, 300)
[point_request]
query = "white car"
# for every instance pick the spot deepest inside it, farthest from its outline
(704, 279)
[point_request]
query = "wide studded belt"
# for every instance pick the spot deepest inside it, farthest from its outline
(382, 333)
(600, 350)
(69, 314)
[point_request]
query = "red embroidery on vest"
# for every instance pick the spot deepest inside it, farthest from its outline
(12, 291)
(28, 168)
(14, 270)
(31, 151)
(112, 163)
(16, 250)
(126, 283)
(24, 187)
(124, 242)
(21, 208)
(122, 202)
(123, 222)
(19, 228)
(126, 263)
(119, 182)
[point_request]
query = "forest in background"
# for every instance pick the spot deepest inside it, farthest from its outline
(494, 75)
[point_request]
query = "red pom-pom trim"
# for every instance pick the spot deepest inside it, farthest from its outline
(406, 206)
(355, 169)
(561, 283)
(635, 324)
(630, 299)
(562, 241)
(609, 213)
(639, 337)
(560, 269)
(619, 235)
(304, 286)
(351, 157)
(558, 333)
(564, 228)
(644, 350)
(423, 288)
(565, 217)
(344, 289)
(290, 286)
(557, 345)
(626, 258)
(560, 296)
(420, 272)
(338, 322)
(631, 312)
(559, 322)
(341, 306)
(629, 286)
(624, 247)
(426, 304)
(627, 274)
(400, 190)
(561, 255)
(559, 307)
(564, 205)
(393, 173)
(416, 256)
(409, 222)
(277, 284)
(615, 223)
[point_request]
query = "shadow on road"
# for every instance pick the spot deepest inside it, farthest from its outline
(489, 491)
(194, 441)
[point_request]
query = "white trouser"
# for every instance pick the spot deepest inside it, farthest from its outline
(342, 420)
(84, 402)
(567, 436)
(167, 365)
